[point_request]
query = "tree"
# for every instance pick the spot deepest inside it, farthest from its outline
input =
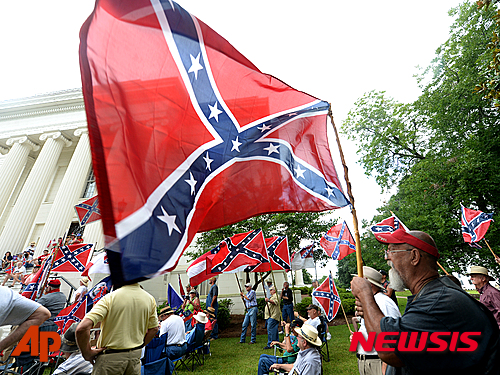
(441, 150)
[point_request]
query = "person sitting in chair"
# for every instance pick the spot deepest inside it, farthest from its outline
(289, 345)
(74, 363)
(173, 325)
(313, 313)
(309, 359)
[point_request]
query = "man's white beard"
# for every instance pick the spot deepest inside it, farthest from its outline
(397, 282)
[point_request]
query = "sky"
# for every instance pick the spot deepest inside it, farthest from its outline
(334, 50)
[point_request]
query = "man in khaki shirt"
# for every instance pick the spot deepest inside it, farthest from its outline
(272, 314)
(128, 322)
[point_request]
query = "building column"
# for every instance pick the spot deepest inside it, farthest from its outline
(94, 234)
(23, 214)
(13, 165)
(299, 278)
(70, 190)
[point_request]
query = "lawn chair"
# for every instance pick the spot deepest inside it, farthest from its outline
(154, 349)
(194, 352)
(206, 344)
(158, 367)
(322, 334)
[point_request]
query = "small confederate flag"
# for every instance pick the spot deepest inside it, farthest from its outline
(475, 224)
(71, 314)
(279, 257)
(240, 251)
(72, 258)
(88, 211)
(31, 289)
(303, 258)
(338, 242)
(328, 297)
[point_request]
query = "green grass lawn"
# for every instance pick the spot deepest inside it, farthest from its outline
(230, 357)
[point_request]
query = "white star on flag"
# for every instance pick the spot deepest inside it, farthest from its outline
(264, 127)
(272, 148)
(329, 190)
(169, 220)
(236, 145)
(300, 172)
(214, 112)
(195, 65)
(208, 161)
(191, 182)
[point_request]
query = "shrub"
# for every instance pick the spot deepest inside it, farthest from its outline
(304, 290)
(224, 313)
(301, 307)
(348, 301)
(261, 305)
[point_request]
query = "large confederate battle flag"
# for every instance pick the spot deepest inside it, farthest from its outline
(187, 135)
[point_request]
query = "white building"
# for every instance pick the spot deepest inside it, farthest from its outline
(46, 169)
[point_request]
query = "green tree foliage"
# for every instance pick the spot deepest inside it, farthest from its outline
(441, 150)
(296, 226)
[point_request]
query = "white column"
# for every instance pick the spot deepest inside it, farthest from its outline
(299, 279)
(62, 210)
(23, 213)
(13, 165)
(94, 234)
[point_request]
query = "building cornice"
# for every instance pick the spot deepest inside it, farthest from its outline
(43, 104)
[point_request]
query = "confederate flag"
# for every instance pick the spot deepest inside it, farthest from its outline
(71, 314)
(187, 135)
(72, 258)
(328, 297)
(338, 241)
(475, 224)
(279, 257)
(236, 253)
(88, 211)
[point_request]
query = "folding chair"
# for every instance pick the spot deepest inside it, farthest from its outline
(158, 367)
(194, 352)
(154, 349)
(322, 333)
(206, 344)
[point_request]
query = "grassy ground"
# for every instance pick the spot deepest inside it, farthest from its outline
(229, 357)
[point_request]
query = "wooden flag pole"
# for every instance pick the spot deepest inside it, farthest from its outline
(345, 316)
(265, 296)
(359, 260)
(496, 256)
(241, 291)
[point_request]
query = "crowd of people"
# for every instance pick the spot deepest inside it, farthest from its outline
(128, 321)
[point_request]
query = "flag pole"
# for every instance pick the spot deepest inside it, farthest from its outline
(241, 291)
(496, 256)
(343, 311)
(277, 294)
(265, 296)
(359, 260)
(345, 316)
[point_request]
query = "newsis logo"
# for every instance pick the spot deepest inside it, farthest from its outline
(37, 343)
(407, 341)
